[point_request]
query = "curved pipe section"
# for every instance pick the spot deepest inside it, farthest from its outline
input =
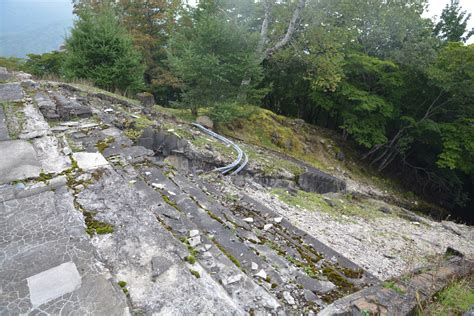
(240, 153)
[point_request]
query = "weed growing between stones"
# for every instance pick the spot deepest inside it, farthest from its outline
(96, 226)
(190, 259)
(104, 144)
(123, 285)
(195, 273)
(132, 134)
(228, 255)
(393, 286)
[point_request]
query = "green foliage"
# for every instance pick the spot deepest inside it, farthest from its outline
(453, 23)
(393, 286)
(46, 64)
(225, 113)
(100, 50)
(456, 299)
(11, 63)
(212, 56)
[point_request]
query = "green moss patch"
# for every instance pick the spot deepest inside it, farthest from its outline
(341, 204)
(94, 226)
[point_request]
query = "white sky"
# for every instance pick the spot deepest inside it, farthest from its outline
(436, 6)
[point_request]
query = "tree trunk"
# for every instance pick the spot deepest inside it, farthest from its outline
(265, 53)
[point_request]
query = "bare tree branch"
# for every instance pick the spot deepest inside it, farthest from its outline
(290, 31)
(267, 6)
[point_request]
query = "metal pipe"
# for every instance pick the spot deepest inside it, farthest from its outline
(240, 153)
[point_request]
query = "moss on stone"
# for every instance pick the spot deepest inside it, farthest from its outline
(94, 226)
(104, 144)
(228, 255)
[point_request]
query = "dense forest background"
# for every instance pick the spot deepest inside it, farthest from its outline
(396, 84)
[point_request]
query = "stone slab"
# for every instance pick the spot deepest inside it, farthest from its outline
(90, 161)
(3, 126)
(18, 161)
(11, 92)
(43, 248)
(53, 283)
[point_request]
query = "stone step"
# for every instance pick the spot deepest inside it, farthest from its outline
(181, 216)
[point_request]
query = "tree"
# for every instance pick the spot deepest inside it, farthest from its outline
(453, 23)
(211, 56)
(100, 50)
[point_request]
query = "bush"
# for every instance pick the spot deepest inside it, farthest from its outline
(11, 63)
(45, 64)
(226, 113)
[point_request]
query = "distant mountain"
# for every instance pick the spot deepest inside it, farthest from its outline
(33, 26)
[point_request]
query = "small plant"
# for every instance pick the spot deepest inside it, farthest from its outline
(393, 286)
(132, 134)
(190, 259)
(123, 285)
(195, 273)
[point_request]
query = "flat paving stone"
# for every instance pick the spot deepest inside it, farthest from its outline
(18, 161)
(90, 161)
(47, 263)
(11, 92)
(3, 126)
(53, 283)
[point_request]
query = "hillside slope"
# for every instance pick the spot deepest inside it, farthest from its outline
(121, 200)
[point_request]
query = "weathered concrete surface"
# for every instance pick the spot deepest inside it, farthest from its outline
(90, 161)
(18, 161)
(3, 126)
(47, 262)
(403, 295)
(140, 240)
(11, 92)
(49, 154)
(35, 124)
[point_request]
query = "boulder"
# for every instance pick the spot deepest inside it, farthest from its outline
(46, 106)
(147, 99)
(205, 121)
(4, 74)
(298, 124)
(29, 84)
(162, 142)
(320, 182)
(67, 108)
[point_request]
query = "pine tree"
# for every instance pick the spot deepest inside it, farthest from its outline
(100, 50)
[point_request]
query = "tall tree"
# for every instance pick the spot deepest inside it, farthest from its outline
(150, 23)
(100, 50)
(453, 23)
(212, 55)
